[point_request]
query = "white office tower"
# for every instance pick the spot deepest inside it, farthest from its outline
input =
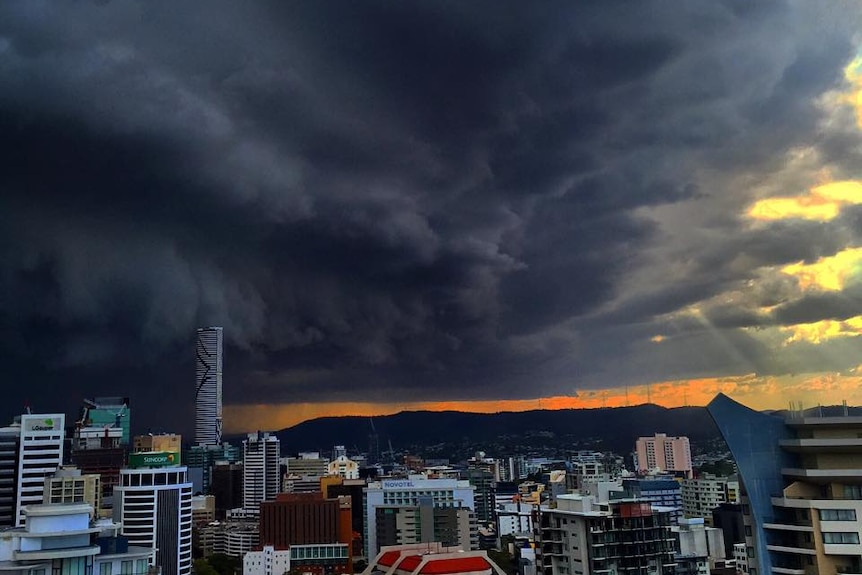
(260, 470)
(154, 505)
(40, 453)
(208, 393)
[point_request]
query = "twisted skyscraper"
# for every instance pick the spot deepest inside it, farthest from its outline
(208, 398)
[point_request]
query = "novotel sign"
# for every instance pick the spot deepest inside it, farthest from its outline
(397, 484)
(154, 459)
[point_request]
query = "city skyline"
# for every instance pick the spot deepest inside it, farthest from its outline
(395, 205)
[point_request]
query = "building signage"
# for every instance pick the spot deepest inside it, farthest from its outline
(154, 459)
(42, 423)
(398, 484)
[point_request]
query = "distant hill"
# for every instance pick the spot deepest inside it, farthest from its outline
(455, 434)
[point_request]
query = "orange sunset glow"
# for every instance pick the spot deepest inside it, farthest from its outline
(754, 391)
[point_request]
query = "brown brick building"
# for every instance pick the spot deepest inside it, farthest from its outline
(295, 519)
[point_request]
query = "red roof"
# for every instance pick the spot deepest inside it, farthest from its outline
(389, 558)
(457, 565)
(410, 563)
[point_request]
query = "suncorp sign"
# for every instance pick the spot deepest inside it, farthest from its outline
(154, 459)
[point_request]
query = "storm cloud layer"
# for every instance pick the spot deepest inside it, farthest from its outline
(438, 200)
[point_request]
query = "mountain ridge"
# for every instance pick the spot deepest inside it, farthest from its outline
(452, 433)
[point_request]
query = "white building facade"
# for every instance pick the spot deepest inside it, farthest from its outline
(40, 453)
(260, 471)
(266, 562)
(154, 506)
(413, 491)
(208, 385)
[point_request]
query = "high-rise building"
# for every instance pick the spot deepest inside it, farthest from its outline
(424, 523)
(208, 386)
(703, 494)
(154, 505)
(663, 453)
(802, 482)
(226, 486)
(586, 537)
(261, 470)
(40, 453)
(408, 492)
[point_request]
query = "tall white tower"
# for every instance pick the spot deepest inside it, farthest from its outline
(154, 504)
(40, 453)
(260, 470)
(208, 394)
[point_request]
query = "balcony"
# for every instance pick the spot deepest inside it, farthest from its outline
(788, 527)
(788, 571)
(46, 554)
(822, 475)
(794, 550)
(823, 445)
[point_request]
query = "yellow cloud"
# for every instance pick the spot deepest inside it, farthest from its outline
(830, 273)
(853, 75)
(821, 331)
(657, 338)
(822, 203)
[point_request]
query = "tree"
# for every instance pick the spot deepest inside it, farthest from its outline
(202, 567)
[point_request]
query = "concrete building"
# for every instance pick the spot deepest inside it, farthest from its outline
(450, 526)
(69, 485)
(514, 518)
(483, 479)
(232, 538)
(703, 494)
(304, 472)
(741, 557)
(208, 385)
(581, 536)
(226, 487)
(154, 505)
(203, 509)
(697, 546)
(802, 477)
(662, 491)
(97, 450)
(10, 441)
(407, 492)
(261, 470)
(267, 561)
(343, 467)
(159, 442)
(728, 517)
(40, 453)
(663, 453)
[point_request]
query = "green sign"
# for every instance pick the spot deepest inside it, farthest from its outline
(154, 459)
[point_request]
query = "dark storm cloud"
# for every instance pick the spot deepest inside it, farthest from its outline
(393, 199)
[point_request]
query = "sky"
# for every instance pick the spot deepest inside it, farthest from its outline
(430, 205)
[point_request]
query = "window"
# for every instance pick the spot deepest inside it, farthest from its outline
(853, 492)
(837, 515)
(125, 568)
(105, 568)
(840, 537)
(141, 566)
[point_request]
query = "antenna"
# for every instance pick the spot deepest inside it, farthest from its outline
(648, 393)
